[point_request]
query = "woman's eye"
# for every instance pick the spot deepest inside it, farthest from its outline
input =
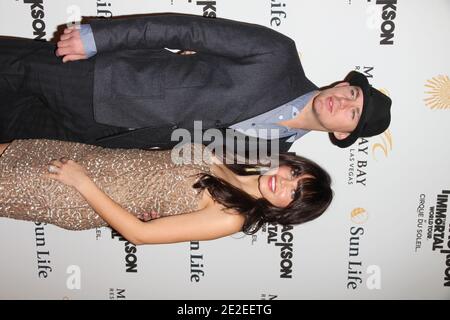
(293, 194)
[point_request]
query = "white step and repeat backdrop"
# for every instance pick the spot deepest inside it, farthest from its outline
(385, 236)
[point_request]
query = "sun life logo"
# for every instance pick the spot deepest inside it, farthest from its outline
(359, 215)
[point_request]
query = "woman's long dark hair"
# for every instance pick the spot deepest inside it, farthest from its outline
(312, 198)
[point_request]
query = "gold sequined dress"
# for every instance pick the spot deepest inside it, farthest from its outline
(140, 181)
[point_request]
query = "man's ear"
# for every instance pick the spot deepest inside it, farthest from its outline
(342, 84)
(341, 135)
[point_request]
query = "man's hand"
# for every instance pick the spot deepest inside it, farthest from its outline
(186, 52)
(70, 46)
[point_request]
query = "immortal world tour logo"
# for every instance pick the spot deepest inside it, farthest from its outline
(441, 244)
(438, 92)
(432, 226)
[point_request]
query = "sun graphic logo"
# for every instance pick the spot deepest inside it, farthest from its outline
(359, 215)
(383, 147)
(385, 143)
(384, 91)
(439, 92)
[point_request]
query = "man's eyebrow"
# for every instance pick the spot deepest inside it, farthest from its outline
(357, 92)
(358, 89)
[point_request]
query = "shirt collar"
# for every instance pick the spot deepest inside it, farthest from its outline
(290, 110)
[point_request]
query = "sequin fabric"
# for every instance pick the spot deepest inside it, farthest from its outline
(140, 181)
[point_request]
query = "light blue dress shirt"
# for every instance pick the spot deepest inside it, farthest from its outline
(87, 37)
(265, 125)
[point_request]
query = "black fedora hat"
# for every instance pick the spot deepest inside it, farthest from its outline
(376, 113)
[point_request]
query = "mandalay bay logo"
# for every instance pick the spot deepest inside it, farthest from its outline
(363, 152)
(366, 150)
(438, 92)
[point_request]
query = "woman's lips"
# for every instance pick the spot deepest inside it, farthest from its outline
(272, 183)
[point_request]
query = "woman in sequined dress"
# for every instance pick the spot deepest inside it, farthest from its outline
(148, 197)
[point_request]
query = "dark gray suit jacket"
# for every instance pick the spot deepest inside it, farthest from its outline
(240, 70)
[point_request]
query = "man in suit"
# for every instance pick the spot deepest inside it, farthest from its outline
(118, 86)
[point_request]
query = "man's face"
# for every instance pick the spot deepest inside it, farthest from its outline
(338, 109)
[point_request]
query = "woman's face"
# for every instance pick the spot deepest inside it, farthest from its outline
(279, 186)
